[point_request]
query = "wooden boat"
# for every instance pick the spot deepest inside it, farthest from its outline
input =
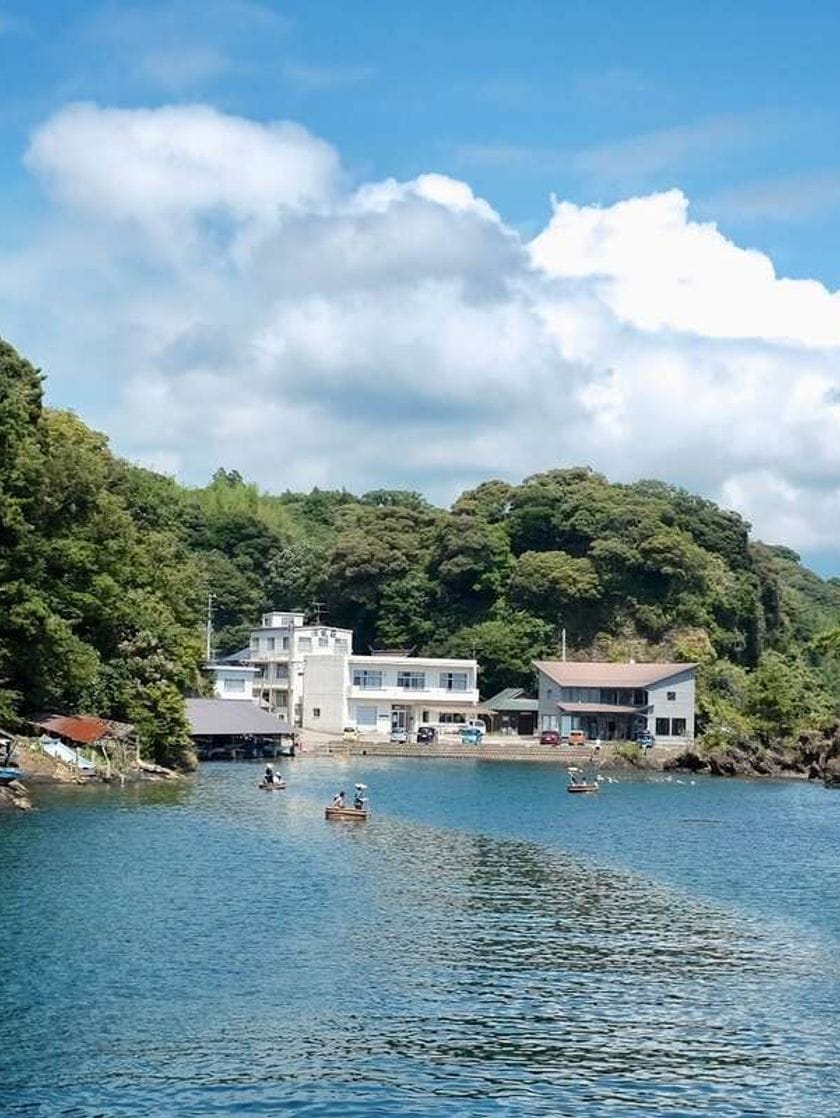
(275, 786)
(348, 813)
(578, 784)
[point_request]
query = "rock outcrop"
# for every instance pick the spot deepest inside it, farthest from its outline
(814, 756)
(13, 795)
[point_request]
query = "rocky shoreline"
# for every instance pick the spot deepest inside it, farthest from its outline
(38, 768)
(813, 756)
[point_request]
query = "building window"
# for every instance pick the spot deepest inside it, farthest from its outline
(341, 646)
(412, 681)
(365, 716)
(640, 698)
(305, 644)
(234, 685)
(451, 718)
(323, 642)
(255, 643)
(284, 644)
(316, 712)
(269, 643)
(369, 680)
(453, 681)
(672, 695)
(677, 727)
(663, 727)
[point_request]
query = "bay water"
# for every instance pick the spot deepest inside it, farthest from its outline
(484, 945)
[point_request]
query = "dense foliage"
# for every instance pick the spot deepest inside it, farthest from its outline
(105, 568)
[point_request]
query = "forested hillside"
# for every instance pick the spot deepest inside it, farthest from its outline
(105, 568)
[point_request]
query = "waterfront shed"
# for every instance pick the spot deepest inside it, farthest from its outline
(225, 730)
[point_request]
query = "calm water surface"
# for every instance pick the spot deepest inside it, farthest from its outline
(485, 945)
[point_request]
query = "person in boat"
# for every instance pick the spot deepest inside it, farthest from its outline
(359, 800)
(338, 800)
(269, 774)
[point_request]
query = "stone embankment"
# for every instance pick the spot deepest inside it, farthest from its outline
(609, 755)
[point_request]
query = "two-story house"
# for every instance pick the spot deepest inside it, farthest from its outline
(388, 691)
(616, 701)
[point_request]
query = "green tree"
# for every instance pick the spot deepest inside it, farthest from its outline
(505, 648)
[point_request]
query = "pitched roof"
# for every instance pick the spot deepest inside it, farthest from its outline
(510, 699)
(83, 728)
(230, 718)
(577, 673)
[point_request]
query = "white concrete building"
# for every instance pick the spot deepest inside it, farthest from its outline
(310, 676)
(278, 649)
(615, 701)
(380, 693)
(232, 680)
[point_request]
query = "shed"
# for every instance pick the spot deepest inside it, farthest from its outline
(222, 730)
(511, 712)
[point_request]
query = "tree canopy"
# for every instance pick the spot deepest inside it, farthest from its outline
(105, 569)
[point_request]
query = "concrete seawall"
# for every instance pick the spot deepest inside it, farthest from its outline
(494, 751)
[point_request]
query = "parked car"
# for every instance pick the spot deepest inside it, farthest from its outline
(350, 733)
(549, 737)
(576, 737)
(399, 737)
(471, 735)
(426, 735)
(645, 739)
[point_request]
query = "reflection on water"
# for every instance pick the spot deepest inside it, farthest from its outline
(194, 952)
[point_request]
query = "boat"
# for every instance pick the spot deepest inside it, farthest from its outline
(274, 786)
(359, 810)
(7, 774)
(578, 784)
(348, 813)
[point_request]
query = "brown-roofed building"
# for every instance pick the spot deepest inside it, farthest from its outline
(615, 702)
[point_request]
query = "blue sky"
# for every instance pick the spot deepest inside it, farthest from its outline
(736, 106)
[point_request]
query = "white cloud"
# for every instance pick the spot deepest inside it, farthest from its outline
(658, 270)
(400, 333)
(154, 165)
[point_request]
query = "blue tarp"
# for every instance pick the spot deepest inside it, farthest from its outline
(54, 748)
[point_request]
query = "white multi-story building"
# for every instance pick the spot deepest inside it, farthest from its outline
(383, 692)
(278, 650)
(309, 675)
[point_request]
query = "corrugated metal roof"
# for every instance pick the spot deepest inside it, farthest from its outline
(82, 728)
(576, 673)
(229, 718)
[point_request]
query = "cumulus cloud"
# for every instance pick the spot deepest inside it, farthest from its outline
(400, 333)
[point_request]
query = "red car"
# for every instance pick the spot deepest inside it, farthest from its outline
(549, 737)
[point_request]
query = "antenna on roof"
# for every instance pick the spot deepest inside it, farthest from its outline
(316, 608)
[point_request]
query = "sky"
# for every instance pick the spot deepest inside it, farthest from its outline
(421, 245)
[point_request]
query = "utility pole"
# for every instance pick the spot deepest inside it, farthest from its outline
(563, 644)
(209, 628)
